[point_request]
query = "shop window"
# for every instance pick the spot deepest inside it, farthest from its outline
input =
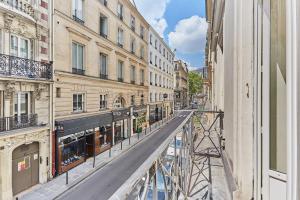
(78, 102)
(103, 102)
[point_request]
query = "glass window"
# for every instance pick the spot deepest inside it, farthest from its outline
(132, 74)
(120, 37)
(132, 100)
(119, 102)
(19, 47)
(132, 23)
(132, 45)
(77, 56)
(278, 90)
(120, 70)
(21, 103)
(142, 52)
(78, 102)
(103, 64)
(103, 101)
(103, 26)
(142, 76)
(151, 77)
(142, 32)
(120, 11)
(150, 57)
(78, 9)
(150, 39)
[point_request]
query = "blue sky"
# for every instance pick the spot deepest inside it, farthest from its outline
(182, 25)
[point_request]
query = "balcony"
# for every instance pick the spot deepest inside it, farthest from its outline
(13, 66)
(78, 71)
(120, 45)
(77, 17)
(133, 28)
(20, 5)
(120, 17)
(18, 122)
(103, 76)
(120, 80)
(103, 35)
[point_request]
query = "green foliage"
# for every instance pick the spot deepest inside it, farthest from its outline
(195, 83)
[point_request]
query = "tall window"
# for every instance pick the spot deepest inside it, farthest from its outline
(120, 37)
(120, 11)
(155, 44)
(164, 52)
(155, 61)
(155, 79)
(132, 23)
(21, 103)
(103, 102)
(103, 66)
(142, 52)
(159, 64)
(104, 2)
(119, 102)
(77, 58)
(78, 102)
(151, 78)
(159, 48)
(132, 45)
(150, 39)
(150, 57)
(142, 32)
(103, 26)
(120, 71)
(142, 76)
(19, 47)
(78, 9)
(151, 97)
(132, 74)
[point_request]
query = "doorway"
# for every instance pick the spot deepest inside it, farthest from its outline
(25, 167)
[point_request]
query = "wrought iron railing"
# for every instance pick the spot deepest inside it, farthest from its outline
(22, 67)
(77, 17)
(78, 71)
(103, 76)
(18, 122)
(20, 5)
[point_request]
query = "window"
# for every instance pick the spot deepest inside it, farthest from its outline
(142, 52)
(103, 66)
(132, 100)
(19, 47)
(132, 45)
(119, 103)
(164, 52)
(21, 103)
(159, 48)
(151, 77)
(151, 97)
(155, 99)
(78, 10)
(120, 37)
(104, 2)
(159, 81)
(163, 66)
(132, 74)
(132, 23)
(155, 44)
(58, 92)
(103, 26)
(155, 60)
(120, 71)
(120, 11)
(159, 64)
(150, 39)
(142, 32)
(142, 100)
(155, 79)
(150, 57)
(142, 77)
(103, 102)
(77, 58)
(78, 102)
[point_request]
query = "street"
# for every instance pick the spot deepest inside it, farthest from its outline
(105, 182)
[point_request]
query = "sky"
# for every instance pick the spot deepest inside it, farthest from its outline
(182, 24)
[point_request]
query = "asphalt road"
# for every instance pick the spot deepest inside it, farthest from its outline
(106, 181)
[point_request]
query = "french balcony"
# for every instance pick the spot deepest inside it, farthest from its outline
(77, 17)
(103, 76)
(120, 45)
(20, 5)
(132, 82)
(103, 35)
(78, 71)
(18, 122)
(120, 79)
(12, 66)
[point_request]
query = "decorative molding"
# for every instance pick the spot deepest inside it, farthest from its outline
(8, 19)
(10, 89)
(74, 31)
(39, 88)
(121, 54)
(104, 46)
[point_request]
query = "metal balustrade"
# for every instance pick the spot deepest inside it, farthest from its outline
(24, 68)
(18, 122)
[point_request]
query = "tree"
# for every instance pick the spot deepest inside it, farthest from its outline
(194, 83)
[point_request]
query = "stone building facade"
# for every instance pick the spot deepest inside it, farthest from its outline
(161, 77)
(181, 85)
(25, 95)
(101, 67)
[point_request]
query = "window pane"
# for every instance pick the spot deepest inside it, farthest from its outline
(80, 57)
(278, 126)
(74, 55)
(24, 48)
(14, 45)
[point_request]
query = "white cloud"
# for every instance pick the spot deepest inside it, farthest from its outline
(153, 11)
(189, 35)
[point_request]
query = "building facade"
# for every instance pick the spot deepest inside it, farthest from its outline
(161, 77)
(25, 95)
(101, 67)
(181, 85)
(253, 49)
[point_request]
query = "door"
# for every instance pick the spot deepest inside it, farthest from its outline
(274, 109)
(25, 167)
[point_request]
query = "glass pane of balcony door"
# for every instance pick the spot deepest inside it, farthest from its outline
(278, 88)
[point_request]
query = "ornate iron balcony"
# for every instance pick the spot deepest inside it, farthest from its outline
(25, 68)
(20, 5)
(18, 122)
(78, 71)
(103, 76)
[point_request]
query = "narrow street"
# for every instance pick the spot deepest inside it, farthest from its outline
(105, 182)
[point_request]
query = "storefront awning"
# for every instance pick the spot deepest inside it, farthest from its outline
(71, 126)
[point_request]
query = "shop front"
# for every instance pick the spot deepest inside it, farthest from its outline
(122, 124)
(155, 114)
(139, 118)
(81, 138)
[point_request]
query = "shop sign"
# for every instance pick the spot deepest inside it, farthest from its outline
(121, 114)
(24, 164)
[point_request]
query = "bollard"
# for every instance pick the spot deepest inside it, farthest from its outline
(67, 177)
(122, 145)
(110, 152)
(129, 141)
(145, 131)
(138, 136)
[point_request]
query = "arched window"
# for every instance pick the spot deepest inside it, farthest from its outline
(119, 102)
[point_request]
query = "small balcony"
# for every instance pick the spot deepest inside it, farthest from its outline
(103, 35)
(12, 66)
(132, 82)
(18, 122)
(77, 17)
(120, 79)
(104, 76)
(78, 71)
(120, 45)
(20, 5)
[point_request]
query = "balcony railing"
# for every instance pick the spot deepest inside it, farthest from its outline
(18, 122)
(120, 80)
(103, 35)
(20, 5)
(120, 45)
(77, 17)
(78, 71)
(103, 76)
(25, 68)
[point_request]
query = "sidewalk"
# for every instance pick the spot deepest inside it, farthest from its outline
(58, 185)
